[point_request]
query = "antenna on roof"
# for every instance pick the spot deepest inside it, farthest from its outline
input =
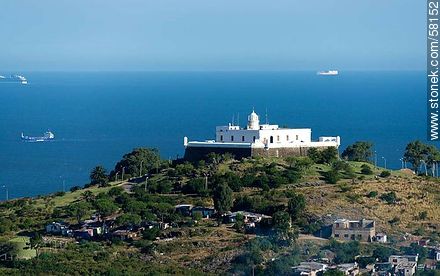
(232, 119)
(238, 119)
(267, 121)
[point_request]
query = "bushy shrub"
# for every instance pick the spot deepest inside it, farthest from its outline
(365, 169)
(390, 197)
(385, 174)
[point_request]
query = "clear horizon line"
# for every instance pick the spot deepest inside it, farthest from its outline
(215, 70)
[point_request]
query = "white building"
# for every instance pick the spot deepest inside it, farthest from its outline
(258, 139)
(381, 237)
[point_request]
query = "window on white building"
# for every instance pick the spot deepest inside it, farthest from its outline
(232, 138)
(297, 137)
(254, 138)
(271, 139)
(242, 138)
(221, 138)
(287, 137)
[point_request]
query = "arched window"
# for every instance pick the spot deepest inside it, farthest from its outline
(271, 139)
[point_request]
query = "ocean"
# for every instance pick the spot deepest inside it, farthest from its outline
(98, 117)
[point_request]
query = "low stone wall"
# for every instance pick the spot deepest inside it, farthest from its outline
(282, 152)
(199, 153)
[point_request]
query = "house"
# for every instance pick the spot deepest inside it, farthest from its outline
(396, 259)
(383, 269)
(206, 212)
(248, 217)
(404, 265)
(360, 230)
(58, 228)
(91, 230)
(437, 254)
(381, 237)
(309, 268)
(406, 268)
(184, 209)
(423, 242)
(124, 234)
(430, 264)
(83, 233)
(351, 269)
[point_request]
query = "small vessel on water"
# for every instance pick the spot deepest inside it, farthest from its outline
(46, 137)
(14, 78)
(328, 73)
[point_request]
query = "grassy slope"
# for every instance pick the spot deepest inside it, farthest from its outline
(415, 195)
(213, 249)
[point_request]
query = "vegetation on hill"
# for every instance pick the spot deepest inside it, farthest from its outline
(299, 194)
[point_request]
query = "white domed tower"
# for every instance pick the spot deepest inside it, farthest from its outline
(253, 121)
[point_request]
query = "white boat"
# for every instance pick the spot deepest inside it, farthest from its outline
(14, 78)
(46, 137)
(328, 73)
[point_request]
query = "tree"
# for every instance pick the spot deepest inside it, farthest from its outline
(88, 196)
(332, 176)
(129, 219)
(6, 225)
(416, 153)
(359, 151)
(239, 223)
(333, 272)
(195, 186)
(98, 176)
(115, 191)
(314, 154)
(345, 252)
(79, 210)
(222, 197)
(282, 226)
(329, 155)
(105, 207)
(139, 160)
(382, 253)
(296, 206)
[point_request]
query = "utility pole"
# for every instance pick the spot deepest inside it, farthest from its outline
(7, 192)
(206, 181)
(123, 172)
(385, 160)
(116, 176)
(424, 163)
(375, 160)
(64, 185)
(146, 183)
(401, 159)
(140, 168)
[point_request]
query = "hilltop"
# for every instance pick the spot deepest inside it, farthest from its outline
(399, 201)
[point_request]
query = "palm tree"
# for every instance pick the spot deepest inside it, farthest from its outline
(99, 176)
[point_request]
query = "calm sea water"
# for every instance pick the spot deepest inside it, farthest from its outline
(97, 117)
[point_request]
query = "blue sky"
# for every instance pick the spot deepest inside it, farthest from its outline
(212, 35)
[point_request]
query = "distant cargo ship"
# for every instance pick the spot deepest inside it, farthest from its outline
(14, 78)
(46, 137)
(328, 73)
